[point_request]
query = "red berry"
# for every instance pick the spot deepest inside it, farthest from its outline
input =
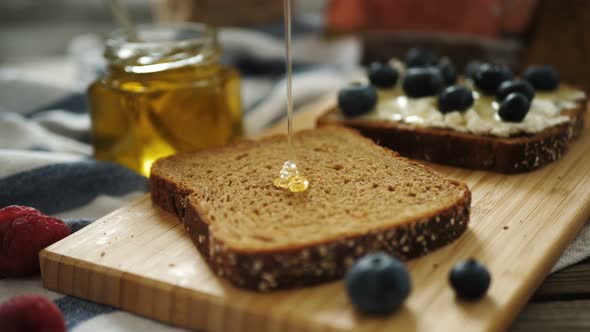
(31, 313)
(24, 232)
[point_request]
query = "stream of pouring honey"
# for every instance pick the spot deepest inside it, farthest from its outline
(289, 176)
(289, 71)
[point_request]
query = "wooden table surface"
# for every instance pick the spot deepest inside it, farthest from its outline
(562, 302)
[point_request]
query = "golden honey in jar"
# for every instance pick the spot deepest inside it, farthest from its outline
(163, 93)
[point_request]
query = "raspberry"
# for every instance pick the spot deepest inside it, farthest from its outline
(31, 313)
(24, 232)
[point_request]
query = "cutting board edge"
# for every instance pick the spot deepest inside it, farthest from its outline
(522, 296)
(52, 262)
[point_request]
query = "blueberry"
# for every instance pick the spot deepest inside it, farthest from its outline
(472, 68)
(378, 284)
(489, 77)
(418, 57)
(455, 98)
(383, 75)
(470, 279)
(543, 78)
(519, 86)
(357, 99)
(448, 72)
(422, 82)
(514, 107)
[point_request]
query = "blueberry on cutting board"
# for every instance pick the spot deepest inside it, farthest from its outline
(519, 86)
(455, 98)
(489, 77)
(470, 279)
(378, 284)
(418, 57)
(357, 99)
(422, 82)
(543, 78)
(514, 107)
(383, 75)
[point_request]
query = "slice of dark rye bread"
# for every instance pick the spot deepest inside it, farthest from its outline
(362, 198)
(445, 146)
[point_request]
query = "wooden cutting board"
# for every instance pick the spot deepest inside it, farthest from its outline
(140, 259)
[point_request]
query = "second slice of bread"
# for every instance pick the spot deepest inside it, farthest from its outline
(516, 154)
(362, 198)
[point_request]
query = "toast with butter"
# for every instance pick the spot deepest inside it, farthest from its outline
(470, 131)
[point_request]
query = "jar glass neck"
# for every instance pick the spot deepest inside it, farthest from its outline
(162, 48)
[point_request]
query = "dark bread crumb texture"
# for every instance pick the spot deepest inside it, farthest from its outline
(362, 198)
(503, 155)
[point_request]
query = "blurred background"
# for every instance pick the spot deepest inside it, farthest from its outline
(51, 51)
(509, 31)
(59, 42)
(30, 28)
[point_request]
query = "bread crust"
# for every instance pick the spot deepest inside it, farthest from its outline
(267, 270)
(450, 147)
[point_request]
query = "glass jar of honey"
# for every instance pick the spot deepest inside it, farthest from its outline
(163, 93)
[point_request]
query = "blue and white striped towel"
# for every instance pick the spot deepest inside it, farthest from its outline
(45, 156)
